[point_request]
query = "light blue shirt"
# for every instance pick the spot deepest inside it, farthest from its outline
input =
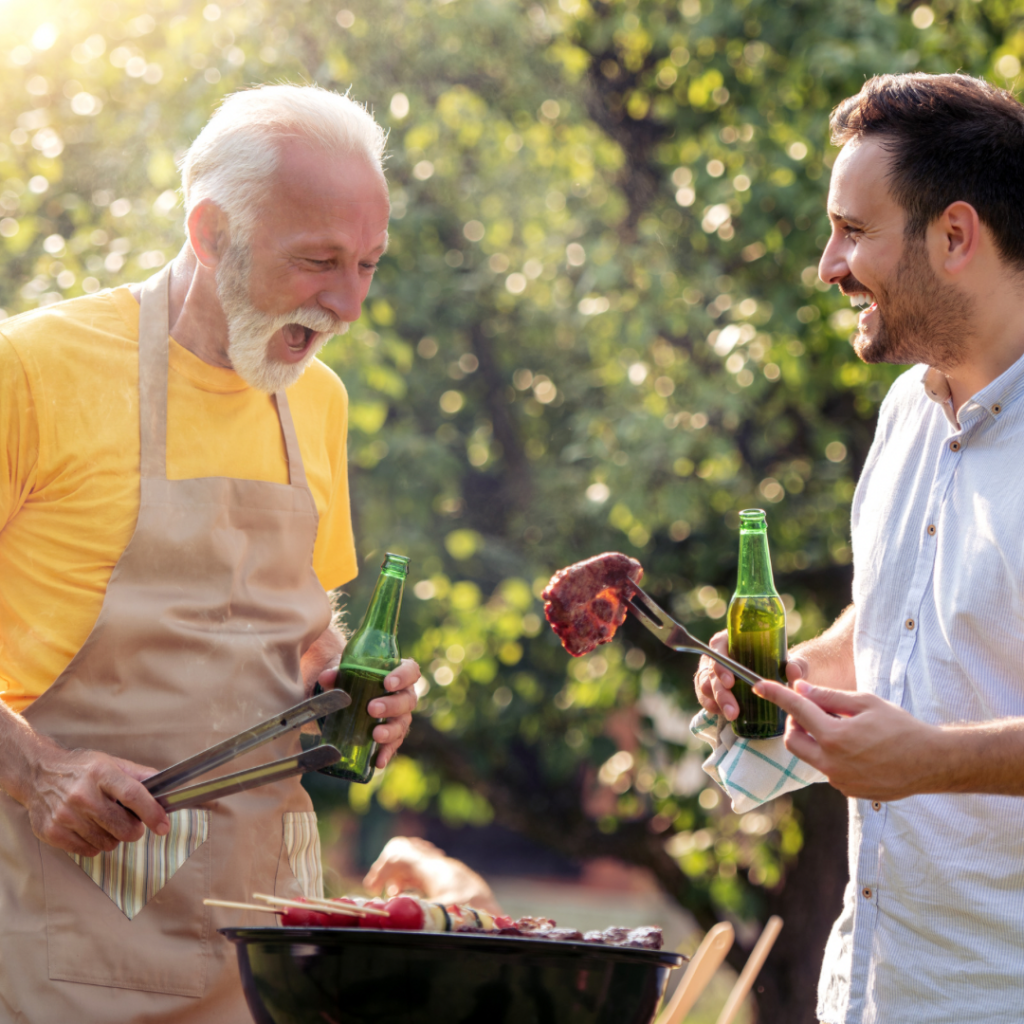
(932, 928)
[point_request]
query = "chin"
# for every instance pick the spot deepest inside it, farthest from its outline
(883, 348)
(252, 364)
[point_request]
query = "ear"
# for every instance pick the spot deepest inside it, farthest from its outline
(209, 233)
(958, 233)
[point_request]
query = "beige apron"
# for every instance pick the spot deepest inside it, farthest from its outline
(200, 634)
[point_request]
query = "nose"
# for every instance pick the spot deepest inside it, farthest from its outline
(344, 294)
(832, 267)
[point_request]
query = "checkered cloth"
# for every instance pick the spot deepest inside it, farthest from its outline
(752, 772)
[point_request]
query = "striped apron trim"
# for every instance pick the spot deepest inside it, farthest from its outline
(302, 844)
(133, 873)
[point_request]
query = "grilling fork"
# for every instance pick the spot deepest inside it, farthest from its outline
(673, 635)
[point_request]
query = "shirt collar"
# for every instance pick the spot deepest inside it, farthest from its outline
(936, 387)
(991, 399)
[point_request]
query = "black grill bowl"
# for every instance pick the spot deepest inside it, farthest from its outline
(353, 976)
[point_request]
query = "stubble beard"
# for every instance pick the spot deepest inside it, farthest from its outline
(250, 329)
(922, 322)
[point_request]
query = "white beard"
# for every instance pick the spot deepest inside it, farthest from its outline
(250, 330)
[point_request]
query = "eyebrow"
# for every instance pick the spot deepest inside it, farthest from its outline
(849, 218)
(378, 250)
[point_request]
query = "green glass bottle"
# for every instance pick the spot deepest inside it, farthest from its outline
(371, 653)
(757, 630)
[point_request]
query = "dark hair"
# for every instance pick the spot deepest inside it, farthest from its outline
(952, 138)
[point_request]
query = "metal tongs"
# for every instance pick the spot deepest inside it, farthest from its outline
(162, 784)
(673, 635)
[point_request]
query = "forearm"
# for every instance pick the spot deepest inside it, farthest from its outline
(20, 745)
(829, 656)
(982, 757)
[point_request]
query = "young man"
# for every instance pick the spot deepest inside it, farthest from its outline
(172, 513)
(917, 707)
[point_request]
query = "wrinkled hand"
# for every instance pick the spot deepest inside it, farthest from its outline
(73, 800)
(415, 864)
(397, 707)
(866, 746)
(713, 682)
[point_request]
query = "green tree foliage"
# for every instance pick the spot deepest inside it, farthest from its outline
(598, 326)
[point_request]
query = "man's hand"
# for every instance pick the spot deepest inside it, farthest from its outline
(81, 800)
(713, 682)
(415, 864)
(867, 746)
(397, 707)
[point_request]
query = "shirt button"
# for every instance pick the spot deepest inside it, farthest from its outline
(997, 408)
(954, 446)
(866, 893)
(931, 529)
(909, 623)
(876, 805)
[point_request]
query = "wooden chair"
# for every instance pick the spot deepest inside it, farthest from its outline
(708, 958)
(701, 969)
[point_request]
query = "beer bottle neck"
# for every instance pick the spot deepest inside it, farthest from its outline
(754, 576)
(374, 645)
(385, 604)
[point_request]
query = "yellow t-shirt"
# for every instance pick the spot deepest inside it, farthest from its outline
(69, 467)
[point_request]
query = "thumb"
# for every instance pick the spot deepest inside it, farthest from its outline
(797, 668)
(835, 702)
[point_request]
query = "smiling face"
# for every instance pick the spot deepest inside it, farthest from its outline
(910, 316)
(305, 272)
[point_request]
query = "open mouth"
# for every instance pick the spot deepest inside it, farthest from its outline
(298, 338)
(864, 301)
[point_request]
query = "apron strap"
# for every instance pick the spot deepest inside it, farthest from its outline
(153, 355)
(296, 471)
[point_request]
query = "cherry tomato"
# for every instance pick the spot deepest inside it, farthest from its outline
(342, 920)
(373, 921)
(299, 917)
(406, 914)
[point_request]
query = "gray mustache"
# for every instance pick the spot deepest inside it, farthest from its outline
(318, 320)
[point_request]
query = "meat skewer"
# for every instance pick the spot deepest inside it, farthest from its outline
(232, 905)
(348, 907)
(409, 913)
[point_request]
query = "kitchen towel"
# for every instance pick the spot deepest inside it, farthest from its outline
(752, 772)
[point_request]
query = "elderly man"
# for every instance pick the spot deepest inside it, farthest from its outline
(172, 513)
(927, 233)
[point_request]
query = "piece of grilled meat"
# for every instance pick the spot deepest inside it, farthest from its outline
(586, 602)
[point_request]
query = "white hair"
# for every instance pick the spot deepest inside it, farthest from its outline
(235, 155)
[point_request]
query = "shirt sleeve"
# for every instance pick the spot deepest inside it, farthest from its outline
(19, 434)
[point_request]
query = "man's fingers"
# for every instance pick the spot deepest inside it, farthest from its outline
(797, 668)
(801, 744)
(835, 702)
(327, 678)
(64, 839)
(134, 796)
(396, 704)
(718, 682)
(391, 737)
(404, 677)
(805, 711)
(392, 732)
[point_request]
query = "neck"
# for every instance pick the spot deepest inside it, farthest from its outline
(996, 342)
(197, 321)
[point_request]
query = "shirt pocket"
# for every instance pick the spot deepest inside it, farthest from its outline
(132, 918)
(300, 849)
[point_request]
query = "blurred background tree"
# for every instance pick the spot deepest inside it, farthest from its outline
(598, 326)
